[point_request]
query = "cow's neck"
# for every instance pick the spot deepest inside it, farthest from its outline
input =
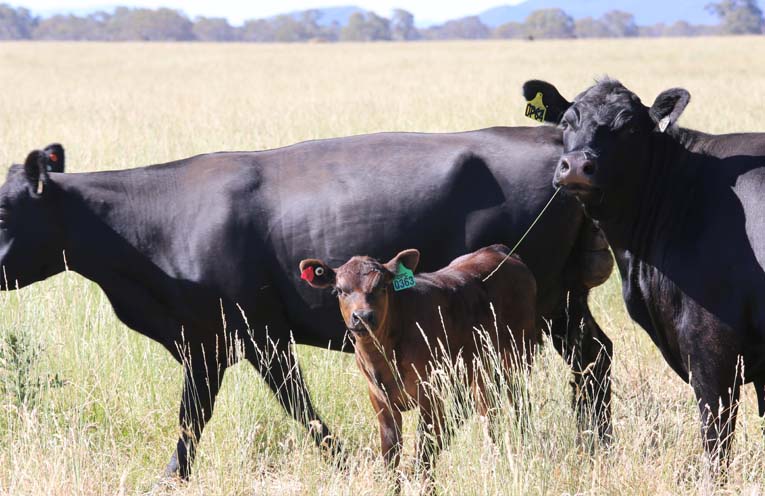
(105, 223)
(645, 228)
(643, 241)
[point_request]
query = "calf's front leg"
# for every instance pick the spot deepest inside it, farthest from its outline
(389, 420)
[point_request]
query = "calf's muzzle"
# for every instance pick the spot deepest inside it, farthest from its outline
(362, 320)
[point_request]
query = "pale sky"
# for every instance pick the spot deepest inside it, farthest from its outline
(239, 10)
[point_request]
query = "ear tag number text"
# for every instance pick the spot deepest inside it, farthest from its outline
(404, 278)
(535, 109)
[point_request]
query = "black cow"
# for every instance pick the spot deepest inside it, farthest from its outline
(684, 213)
(175, 246)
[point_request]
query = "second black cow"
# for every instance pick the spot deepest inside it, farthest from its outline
(174, 246)
(684, 212)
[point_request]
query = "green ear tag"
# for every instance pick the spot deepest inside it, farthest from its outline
(535, 109)
(404, 278)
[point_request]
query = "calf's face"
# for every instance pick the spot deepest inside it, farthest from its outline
(363, 286)
(30, 236)
(606, 133)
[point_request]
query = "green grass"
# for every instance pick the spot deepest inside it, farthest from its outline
(102, 419)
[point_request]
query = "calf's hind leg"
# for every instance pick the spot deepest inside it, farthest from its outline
(434, 431)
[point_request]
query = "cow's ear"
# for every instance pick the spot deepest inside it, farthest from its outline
(54, 157)
(36, 171)
(554, 103)
(408, 258)
(668, 106)
(316, 273)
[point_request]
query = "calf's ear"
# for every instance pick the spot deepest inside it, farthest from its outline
(408, 258)
(668, 106)
(316, 273)
(36, 171)
(54, 157)
(554, 103)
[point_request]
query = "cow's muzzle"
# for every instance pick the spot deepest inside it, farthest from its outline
(576, 171)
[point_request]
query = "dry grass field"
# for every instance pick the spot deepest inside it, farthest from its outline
(90, 407)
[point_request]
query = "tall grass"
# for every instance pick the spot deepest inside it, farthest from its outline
(104, 415)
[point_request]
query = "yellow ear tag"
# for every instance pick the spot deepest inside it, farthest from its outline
(535, 109)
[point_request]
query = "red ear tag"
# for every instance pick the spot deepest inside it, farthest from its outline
(307, 274)
(53, 157)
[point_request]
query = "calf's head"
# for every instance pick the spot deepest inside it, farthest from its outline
(363, 286)
(30, 235)
(606, 133)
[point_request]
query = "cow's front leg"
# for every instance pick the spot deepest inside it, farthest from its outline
(717, 392)
(202, 381)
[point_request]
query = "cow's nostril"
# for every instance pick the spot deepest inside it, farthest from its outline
(564, 165)
(355, 319)
(588, 168)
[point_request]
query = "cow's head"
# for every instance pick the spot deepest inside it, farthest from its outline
(605, 139)
(363, 286)
(30, 235)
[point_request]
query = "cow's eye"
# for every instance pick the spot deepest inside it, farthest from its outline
(570, 118)
(570, 122)
(627, 129)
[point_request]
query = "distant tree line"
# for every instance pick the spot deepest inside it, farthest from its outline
(736, 17)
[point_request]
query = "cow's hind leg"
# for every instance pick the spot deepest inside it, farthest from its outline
(203, 374)
(759, 388)
(586, 348)
(277, 363)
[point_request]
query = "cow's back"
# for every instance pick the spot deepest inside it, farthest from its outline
(444, 194)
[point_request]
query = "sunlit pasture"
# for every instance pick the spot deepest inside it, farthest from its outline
(88, 406)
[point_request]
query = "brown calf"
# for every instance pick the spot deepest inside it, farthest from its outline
(396, 356)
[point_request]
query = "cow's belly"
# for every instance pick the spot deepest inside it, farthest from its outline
(749, 190)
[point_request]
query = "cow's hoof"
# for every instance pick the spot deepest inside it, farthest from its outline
(167, 484)
(607, 436)
(334, 450)
(174, 471)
